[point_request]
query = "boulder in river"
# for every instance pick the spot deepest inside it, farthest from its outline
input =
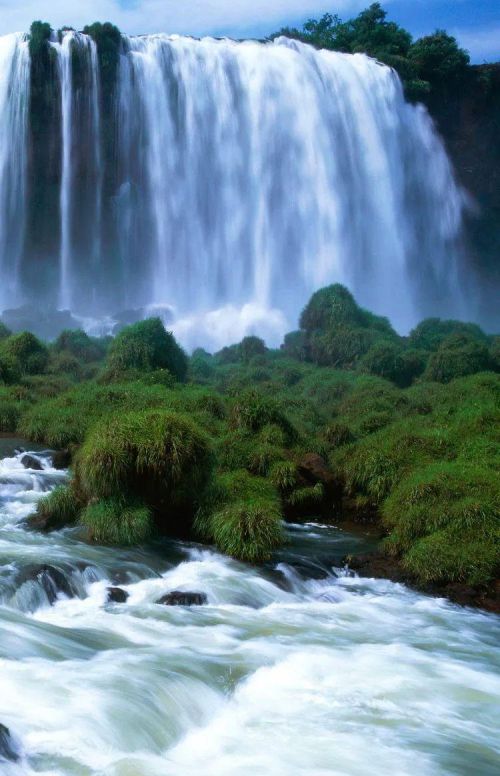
(183, 598)
(116, 595)
(30, 462)
(51, 579)
(8, 749)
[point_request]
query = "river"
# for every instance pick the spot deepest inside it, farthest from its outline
(292, 669)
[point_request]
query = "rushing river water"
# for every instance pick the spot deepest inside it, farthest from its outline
(293, 669)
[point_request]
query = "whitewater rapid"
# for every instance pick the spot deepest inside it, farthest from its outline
(293, 669)
(224, 182)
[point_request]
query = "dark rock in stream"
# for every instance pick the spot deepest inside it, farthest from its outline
(116, 595)
(8, 749)
(181, 598)
(51, 579)
(30, 462)
(61, 459)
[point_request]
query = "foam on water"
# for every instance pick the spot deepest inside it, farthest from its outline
(278, 674)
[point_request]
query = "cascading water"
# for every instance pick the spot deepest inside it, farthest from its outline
(14, 101)
(292, 669)
(228, 181)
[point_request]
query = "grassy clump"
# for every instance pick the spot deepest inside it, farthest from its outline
(116, 521)
(445, 522)
(252, 411)
(59, 507)
(147, 346)
(159, 457)
(65, 419)
(242, 516)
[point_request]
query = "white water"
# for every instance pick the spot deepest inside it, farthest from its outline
(280, 674)
(240, 177)
(14, 102)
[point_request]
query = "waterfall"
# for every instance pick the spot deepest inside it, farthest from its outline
(228, 181)
(14, 98)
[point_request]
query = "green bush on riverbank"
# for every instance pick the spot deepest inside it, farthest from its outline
(347, 419)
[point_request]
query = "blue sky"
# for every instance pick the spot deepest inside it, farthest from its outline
(476, 23)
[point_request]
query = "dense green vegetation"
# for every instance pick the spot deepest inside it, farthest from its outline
(347, 419)
(432, 63)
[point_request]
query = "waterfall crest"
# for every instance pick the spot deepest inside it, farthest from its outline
(227, 181)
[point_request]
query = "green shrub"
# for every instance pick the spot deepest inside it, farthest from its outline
(64, 363)
(388, 359)
(81, 346)
(10, 371)
(330, 307)
(147, 346)
(295, 345)
(430, 333)
(201, 365)
(458, 355)
(495, 353)
(30, 355)
(251, 347)
(114, 521)
(4, 331)
(341, 347)
(40, 33)
(335, 306)
(60, 507)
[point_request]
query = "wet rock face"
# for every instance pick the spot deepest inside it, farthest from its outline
(51, 579)
(182, 598)
(116, 595)
(8, 749)
(30, 462)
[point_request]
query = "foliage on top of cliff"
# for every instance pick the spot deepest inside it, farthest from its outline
(423, 65)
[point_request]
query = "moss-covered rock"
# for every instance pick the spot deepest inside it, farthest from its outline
(158, 457)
